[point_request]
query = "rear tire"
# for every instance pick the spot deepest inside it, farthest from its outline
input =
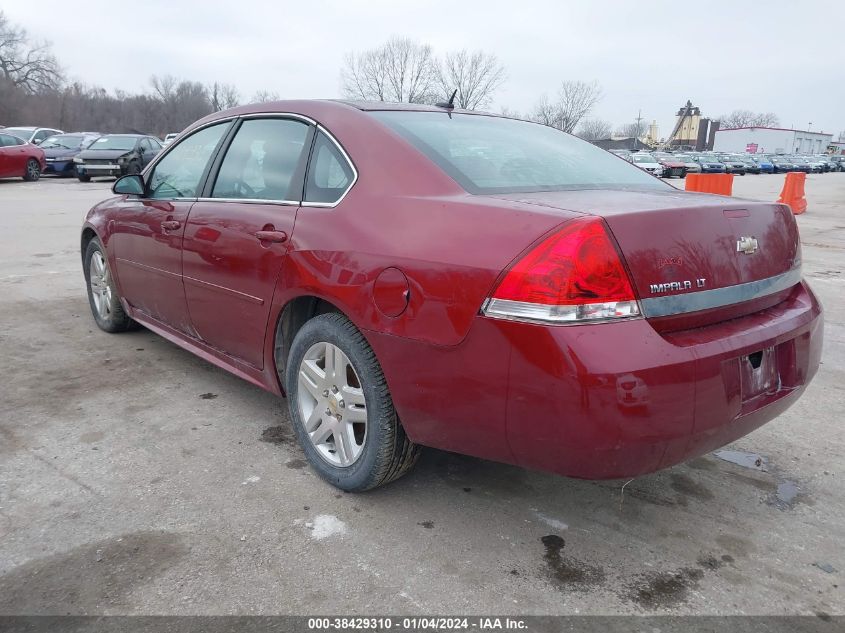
(32, 171)
(83, 178)
(314, 389)
(105, 303)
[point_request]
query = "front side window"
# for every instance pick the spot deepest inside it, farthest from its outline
(179, 173)
(487, 154)
(264, 161)
(329, 174)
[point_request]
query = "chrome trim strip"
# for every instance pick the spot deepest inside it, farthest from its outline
(266, 115)
(653, 307)
(286, 203)
(331, 205)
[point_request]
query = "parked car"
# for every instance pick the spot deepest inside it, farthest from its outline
(647, 162)
(116, 155)
(751, 167)
(782, 164)
(732, 165)
(817, 164)
(690, 164)
(839, 161)
(671, 165)
(168, 138)
(710, 165)
(799, 163)
(60, 150)
(415, 275)
(32, 135)
(19, 159)
(763, 163)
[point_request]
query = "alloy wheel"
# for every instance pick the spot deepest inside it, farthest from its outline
(98, 275)
(332, 404)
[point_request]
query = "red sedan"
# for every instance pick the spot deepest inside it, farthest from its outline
(413, 275)
(19, 159)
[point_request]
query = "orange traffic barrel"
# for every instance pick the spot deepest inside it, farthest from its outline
(793, 192)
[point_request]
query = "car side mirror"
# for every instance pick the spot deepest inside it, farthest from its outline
(131, 184)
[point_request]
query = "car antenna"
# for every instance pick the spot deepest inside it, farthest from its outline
(450, 104)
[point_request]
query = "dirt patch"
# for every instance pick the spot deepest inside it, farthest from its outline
(90, 578)
(565, 572)
(277, 435)
(665, 589)
(688, 486)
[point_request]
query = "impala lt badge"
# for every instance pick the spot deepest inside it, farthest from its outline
(671, 286)
(747, 245)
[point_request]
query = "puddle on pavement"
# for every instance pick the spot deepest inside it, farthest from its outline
(786, 495)
(743, 458)
(787, 492)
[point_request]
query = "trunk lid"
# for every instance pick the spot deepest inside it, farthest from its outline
(694, 259)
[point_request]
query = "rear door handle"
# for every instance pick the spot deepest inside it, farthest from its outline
(271, 236)
(171, 225)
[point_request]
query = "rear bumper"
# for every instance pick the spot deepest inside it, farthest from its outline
(600, 401)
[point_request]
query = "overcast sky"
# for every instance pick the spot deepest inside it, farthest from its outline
(779, 56)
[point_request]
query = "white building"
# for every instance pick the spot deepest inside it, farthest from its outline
(771, 140)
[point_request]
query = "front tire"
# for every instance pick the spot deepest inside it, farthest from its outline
(32, 171)
(341, 408)
(105, 303)
(83, 178)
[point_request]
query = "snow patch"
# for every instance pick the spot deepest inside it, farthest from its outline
(326, 525)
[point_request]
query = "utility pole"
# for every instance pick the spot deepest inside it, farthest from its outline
(639, 118)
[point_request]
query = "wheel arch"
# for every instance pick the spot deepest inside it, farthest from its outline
(296, 313)
(88, 234)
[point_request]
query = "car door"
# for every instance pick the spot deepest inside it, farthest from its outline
(238, 234)
(16, 156)
(149, 150)
(148, 230)
(6, 148)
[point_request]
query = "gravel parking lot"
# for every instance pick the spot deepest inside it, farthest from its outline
(136, 478)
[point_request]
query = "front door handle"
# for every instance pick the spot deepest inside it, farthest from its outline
(171, 225)
(271, 236)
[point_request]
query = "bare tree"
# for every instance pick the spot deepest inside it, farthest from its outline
(574, 101)
(512, 114)
(747, 118)
(400, 70)
(475, 76)
(164, 86)
(223, 96)
(25, 64)
(635, 129)
(594, 129)
(263, 96)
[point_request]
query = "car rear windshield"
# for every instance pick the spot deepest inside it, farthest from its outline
(488, 154)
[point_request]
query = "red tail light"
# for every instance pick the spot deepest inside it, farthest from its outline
(573, 275)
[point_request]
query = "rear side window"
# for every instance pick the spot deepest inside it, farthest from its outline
(7, 141)
(264, 161)
(329, 173)
(179, 173)
(487, 154)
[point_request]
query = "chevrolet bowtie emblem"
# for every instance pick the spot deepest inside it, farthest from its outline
(747, 245)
